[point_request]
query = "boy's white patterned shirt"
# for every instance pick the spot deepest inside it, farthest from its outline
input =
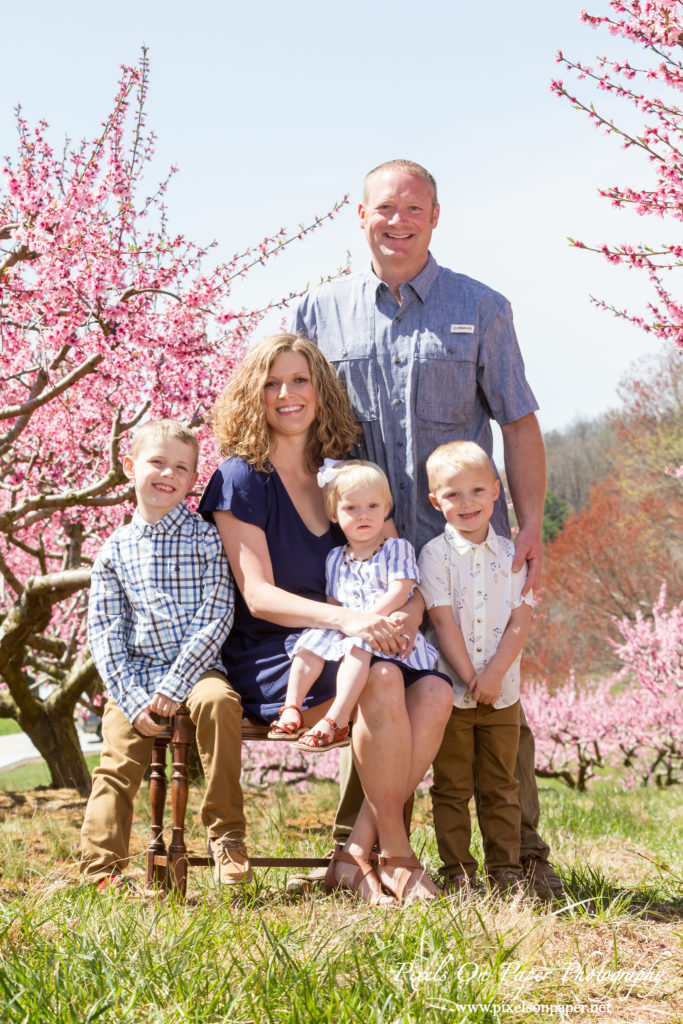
(161, 604)
(477, 583)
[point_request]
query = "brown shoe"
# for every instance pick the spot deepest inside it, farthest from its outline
(542, 879)
(507, 883)
(456, 882)
(302, 885)
(231, 860)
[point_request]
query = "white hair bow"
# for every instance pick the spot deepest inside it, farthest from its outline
(328, 471)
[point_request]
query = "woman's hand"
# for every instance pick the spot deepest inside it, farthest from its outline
(408, 619)
(377, 630)
(407, 631)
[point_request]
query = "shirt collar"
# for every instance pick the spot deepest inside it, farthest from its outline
(421, 283)
(170, 523)
(462, 545)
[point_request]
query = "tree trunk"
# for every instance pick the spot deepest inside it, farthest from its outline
(57, 741)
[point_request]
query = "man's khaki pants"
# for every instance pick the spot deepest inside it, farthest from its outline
(531, 845)
(215, 709)
(479, 747)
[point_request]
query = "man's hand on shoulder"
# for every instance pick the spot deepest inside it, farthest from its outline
(529, 549)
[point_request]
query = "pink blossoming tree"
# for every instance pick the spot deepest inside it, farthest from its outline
(106, 318)
(656, 28)
(630, 722)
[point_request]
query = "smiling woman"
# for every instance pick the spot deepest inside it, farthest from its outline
(289, 394)
(282, 414)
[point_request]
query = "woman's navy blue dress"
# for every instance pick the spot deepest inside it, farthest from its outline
(254, 655)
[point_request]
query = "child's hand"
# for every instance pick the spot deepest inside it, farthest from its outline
(145, 724)
(164, 706)
(485, 687)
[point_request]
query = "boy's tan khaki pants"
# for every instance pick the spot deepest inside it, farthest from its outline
(216, 711)
(479, 749)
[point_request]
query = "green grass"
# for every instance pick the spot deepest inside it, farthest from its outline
(30, 776)
(69, 955)
(8, 727)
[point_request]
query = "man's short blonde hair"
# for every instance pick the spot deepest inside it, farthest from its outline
(154, 429)
(355, 473)
(408, 167)
(454, 457)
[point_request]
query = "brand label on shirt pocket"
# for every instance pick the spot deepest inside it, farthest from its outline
(462, 328)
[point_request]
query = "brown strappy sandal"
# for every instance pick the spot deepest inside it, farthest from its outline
(364, 870)
(410, 866)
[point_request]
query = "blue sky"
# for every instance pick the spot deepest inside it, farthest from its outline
(273, 111)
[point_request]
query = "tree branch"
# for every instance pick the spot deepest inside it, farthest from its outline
(82, 676)
(32, 612)
(38, 400)
(37, 508)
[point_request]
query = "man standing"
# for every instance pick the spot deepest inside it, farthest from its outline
(430, 356)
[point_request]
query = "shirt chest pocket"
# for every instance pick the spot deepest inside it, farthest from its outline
(447, 377)
(351, 350)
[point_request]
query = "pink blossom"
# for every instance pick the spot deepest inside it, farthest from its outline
(629, 723)
(656, 26)
(106, 319)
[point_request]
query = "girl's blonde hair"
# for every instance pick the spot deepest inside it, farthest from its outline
(355, 473)
(455, 456)
(239, 414)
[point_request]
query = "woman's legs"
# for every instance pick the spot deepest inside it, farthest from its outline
(396, 735)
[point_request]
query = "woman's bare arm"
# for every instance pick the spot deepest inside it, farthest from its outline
(247, 550)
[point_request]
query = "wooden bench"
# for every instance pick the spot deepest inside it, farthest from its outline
(166, 868)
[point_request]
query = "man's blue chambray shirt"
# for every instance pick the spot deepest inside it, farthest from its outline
(161, 604)
(436, 368)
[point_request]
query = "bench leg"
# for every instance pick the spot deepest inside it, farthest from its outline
(155, 862)
(183, 735)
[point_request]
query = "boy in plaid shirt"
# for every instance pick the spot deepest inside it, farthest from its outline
(161, 604)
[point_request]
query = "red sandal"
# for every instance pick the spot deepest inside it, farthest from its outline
(317, 741)
(280, 730)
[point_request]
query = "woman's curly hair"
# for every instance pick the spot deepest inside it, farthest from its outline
(239, 414)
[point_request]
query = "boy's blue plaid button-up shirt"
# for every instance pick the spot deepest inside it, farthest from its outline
(161, 604)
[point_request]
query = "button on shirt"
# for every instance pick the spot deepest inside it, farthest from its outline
(435, 368)
(477, 583)
(161, 604)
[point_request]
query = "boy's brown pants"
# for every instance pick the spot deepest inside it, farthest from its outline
(479, 750)
(216, 711)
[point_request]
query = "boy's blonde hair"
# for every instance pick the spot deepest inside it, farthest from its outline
(355, 473)
(456, 456)
(164, 428)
